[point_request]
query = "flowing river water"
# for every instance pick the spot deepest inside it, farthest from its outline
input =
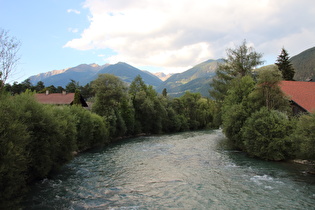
(191, 170)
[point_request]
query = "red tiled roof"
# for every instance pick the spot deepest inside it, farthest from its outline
(55, 98)
(302, 93)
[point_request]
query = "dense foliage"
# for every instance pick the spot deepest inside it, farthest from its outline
(38, 139)
(257, 117)
(239, 63)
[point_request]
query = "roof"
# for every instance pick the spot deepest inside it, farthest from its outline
(55, 98)
(302, 93)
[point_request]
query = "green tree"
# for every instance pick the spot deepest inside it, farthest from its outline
(72, 86)
(285, 66)
(304, 137)
(190, 102)
(26, 84)
(265, 135)
(164, 92)
(87, 91)
(14, 158)
(240, 62)
(16, 88)
(267, 91)
(236, 110)
(39, 86)
(110, 92)
(9, 48)
(59, 89)
(149, 110)
(77, 97)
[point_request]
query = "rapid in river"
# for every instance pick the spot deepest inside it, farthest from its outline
(190, 170)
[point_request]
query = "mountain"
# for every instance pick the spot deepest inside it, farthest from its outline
(196, 79)
(127, 73)
(86, 73)
(163, 76)
(304, 65)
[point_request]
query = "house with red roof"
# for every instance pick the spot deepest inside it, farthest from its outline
(58, 98)
(301, 95)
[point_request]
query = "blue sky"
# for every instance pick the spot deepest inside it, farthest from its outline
(156, 35)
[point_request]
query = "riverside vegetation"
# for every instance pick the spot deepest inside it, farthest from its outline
(37, 139)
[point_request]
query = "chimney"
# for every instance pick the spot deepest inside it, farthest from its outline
(47, 92)
(64, 92)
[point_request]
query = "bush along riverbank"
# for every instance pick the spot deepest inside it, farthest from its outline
(257, 118)
(36, 139)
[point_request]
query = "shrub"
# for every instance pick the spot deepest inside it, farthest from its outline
(65, 140)
(14, 139)
(304, 137)
(265, 135)
(91, 128)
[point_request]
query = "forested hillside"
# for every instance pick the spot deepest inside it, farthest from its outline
(304, 65)
(195, 80)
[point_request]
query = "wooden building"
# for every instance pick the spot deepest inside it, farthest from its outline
(301, 94)
(58, 98)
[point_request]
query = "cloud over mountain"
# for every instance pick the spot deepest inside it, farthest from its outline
(178, 33)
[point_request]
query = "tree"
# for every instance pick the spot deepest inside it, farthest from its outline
(77, 98)
(240, 62)
(164, 93)
(304, 137)
(110, 93)
(9, 47)
(267, 91)
(265, 135)
(72, 86)
(235, 109)
(285, 66)
(39, 86)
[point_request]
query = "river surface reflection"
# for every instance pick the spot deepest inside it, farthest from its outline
(191, 170)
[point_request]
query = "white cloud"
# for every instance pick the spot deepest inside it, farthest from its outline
(179, 33)
(73, 30)
(74, 11)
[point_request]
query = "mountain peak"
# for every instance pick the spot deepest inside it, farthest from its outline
(85, 73)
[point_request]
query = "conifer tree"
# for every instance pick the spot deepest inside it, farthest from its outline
(285, 66)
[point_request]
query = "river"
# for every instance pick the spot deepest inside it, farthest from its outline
(190, 170)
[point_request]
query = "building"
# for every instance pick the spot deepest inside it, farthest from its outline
(301, 95)
(58, 98)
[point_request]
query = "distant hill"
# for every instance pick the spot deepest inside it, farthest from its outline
(86, 73)
(163, 76)
(304, 65)
(196, 79)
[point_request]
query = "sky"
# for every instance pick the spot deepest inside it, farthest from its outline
(167, 36)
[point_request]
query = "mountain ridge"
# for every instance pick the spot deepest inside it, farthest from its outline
(304, 65)
(85, 73)
(195, 79)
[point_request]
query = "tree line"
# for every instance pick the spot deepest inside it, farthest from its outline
(255, 115)
(36, 139)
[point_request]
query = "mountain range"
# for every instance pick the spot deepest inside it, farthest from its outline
(195, 79)
(85, 73)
